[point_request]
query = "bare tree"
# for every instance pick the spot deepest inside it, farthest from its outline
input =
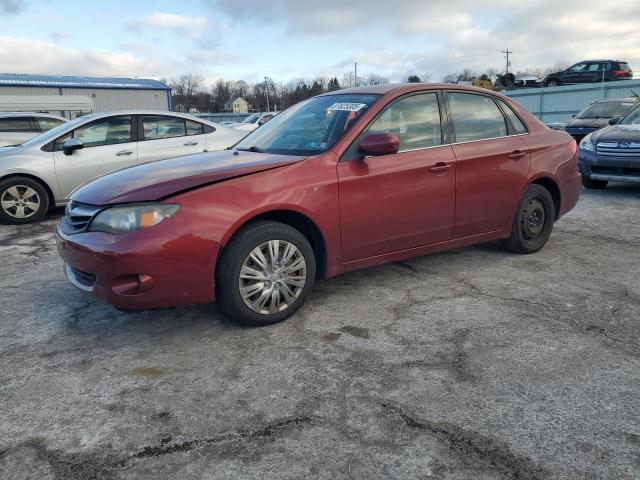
(375, 79)
(185, 89)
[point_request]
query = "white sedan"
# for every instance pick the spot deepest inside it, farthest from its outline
(21, 126)
(253, 121)
(41, 172)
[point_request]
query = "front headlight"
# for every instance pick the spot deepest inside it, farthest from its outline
(585, 144)
(130, 218)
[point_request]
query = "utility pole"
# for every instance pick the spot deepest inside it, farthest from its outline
(266, 91)
(355, 72)
(507, 52)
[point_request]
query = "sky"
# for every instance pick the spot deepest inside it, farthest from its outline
(289, 40)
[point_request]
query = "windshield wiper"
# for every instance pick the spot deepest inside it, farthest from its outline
(252, 149)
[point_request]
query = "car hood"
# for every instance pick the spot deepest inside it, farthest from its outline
(159, 180)
(10, 150)
(588, 123)
(617, 133)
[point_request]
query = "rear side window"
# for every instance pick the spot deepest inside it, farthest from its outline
(159, 126)
(513, 118)
(475, 117)
(194, 128)
(48, 123)
(15, 125)
(415, 120)
(624, 66)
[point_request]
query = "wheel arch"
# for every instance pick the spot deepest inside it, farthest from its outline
(298, 220)
(552, 186)
(45, 185)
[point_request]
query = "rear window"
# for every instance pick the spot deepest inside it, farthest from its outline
(15, 125)
(625, 67)
(476, 117)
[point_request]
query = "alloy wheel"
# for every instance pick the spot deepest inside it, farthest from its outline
(272, 277)
(20, 201)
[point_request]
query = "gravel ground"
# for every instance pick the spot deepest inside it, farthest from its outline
(472, 364)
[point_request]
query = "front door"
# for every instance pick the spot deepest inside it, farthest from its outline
(492, 163)
(107, 146)
(395, 202)
(165, 136)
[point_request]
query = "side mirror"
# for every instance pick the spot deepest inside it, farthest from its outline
(573, 116)
(70, 145)
(380, 144)
(614, 120)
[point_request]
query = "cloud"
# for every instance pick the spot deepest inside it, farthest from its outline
(192, 27)
(33, 56)
(12, 6)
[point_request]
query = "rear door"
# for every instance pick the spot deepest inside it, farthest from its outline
(109, 145)
(594, 72)
(166, 136)
(492, 163)
(395, 202)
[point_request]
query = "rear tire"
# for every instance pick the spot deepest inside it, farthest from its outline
(266, 273)
(22, 200)
(587, 182)
(533, 221)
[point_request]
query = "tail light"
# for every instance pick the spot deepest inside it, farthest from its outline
(620, 73)
(574, 147)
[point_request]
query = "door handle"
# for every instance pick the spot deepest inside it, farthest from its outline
(517, 154)
(190, 144)
(440, 167)
(122, 153)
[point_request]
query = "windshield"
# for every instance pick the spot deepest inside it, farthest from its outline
(606, 110)
(54, 132)
(633, 117)
(251, 118)
(310, 127)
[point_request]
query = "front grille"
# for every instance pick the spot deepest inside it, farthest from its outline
(580, 130)
(615, 170)
(630, 150)
(77, 217)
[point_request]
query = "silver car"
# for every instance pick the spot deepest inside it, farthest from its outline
(41, 172)
(21, 126)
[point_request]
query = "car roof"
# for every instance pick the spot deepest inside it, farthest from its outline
(188, 116)
(406, 88)
(30, 114)
(614, 100)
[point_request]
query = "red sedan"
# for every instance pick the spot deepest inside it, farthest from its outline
(339, 182)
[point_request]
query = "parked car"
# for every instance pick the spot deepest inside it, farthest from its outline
(597, 115)
(19, 127)
(43, 171)
(612, 154)
(590, 71)
(253, 121)
(512, 81)
(419, 169)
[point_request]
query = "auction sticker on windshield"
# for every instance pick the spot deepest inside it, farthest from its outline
(347, 107)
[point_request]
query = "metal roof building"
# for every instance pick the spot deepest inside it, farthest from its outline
(106, 93)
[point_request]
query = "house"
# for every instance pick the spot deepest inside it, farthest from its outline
(237, 105)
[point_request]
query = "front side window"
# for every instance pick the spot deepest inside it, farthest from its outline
(160, 126)
(580, 67)
(475, 117)
(106, 131)
(15, 125)
(519, 127)
(415, 120)
(310, 127)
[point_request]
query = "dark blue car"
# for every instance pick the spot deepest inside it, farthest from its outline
(612, 154)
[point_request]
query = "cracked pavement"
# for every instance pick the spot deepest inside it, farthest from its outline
(474, 363)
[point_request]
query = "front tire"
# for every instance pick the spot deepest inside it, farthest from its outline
(22, 200)
(266, 273)
(553, 83)
(587, 182)
(533, 221)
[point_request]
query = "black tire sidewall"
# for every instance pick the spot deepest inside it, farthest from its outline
(517, 240)
(29, 182)
(234, 254)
